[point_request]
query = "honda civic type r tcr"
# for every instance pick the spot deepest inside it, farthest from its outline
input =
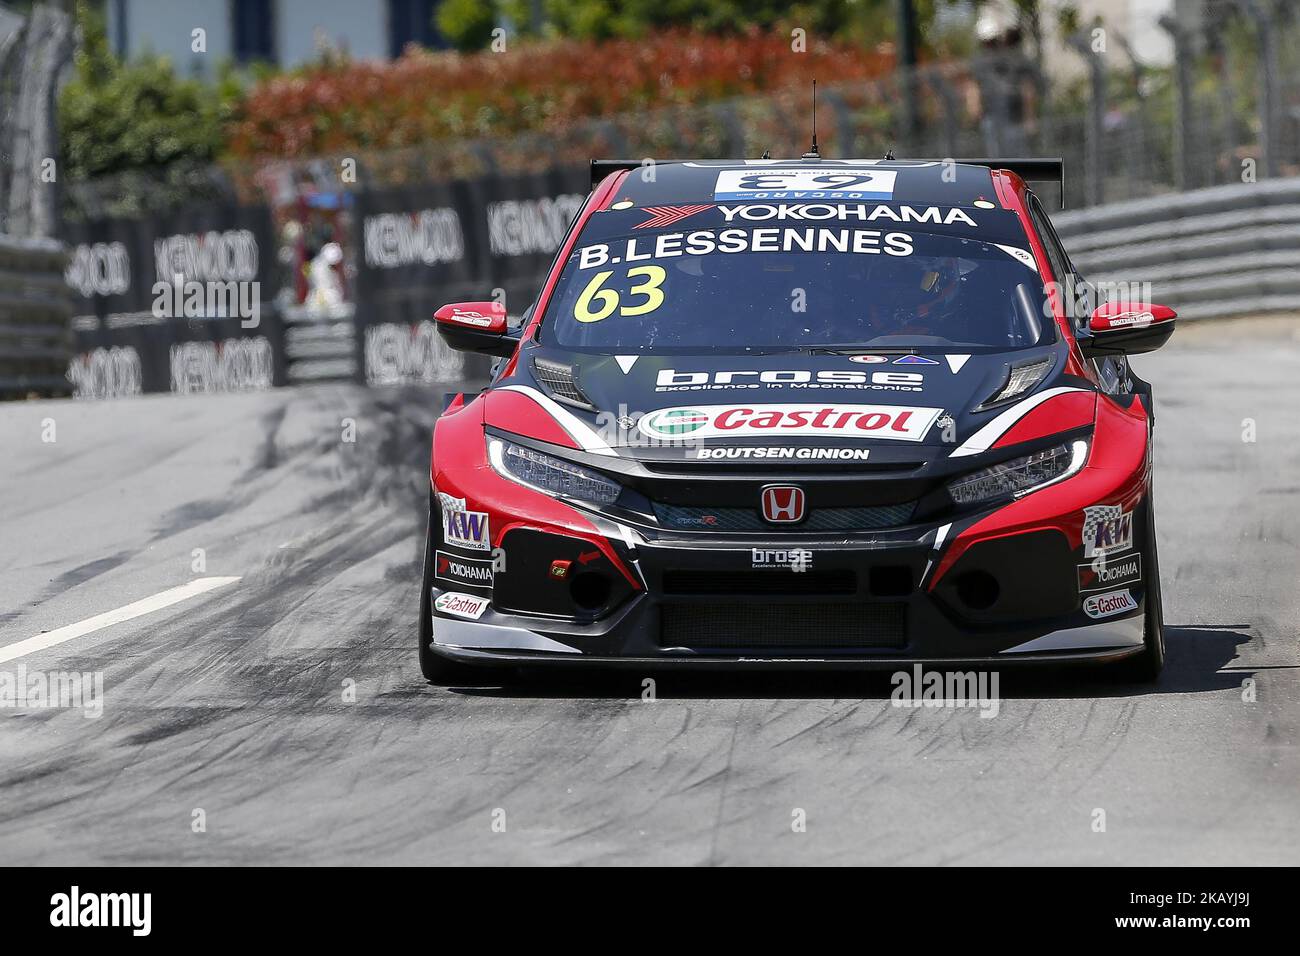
(801, 414)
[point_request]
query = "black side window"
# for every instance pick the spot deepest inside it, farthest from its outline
(1061, 267)
(1078, 297)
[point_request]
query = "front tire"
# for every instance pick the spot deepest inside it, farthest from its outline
(436, 668)
(1145, 668)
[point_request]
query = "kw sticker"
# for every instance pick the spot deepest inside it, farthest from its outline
(462, 528)
(1107, 529)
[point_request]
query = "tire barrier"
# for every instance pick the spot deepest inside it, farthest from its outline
(1210, 253)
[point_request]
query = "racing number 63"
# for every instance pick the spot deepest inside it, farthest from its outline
(608, 298)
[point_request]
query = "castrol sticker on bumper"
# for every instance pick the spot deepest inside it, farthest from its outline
(688, 423)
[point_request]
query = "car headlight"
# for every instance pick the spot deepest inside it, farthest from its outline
(549, 474)
(1020, 476)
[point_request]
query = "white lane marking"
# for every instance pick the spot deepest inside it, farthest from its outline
(100, 621)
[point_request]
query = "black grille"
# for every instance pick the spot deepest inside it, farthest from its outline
(694, 518)
(792, 627)
(761, 581)
(712, 466)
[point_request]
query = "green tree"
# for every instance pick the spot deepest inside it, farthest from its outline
(601, 19)
(116, 117)
(467, 24)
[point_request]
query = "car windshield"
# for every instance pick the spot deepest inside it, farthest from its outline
(837, 283)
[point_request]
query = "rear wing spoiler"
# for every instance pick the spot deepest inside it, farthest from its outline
(600, 168)
(1030, 170)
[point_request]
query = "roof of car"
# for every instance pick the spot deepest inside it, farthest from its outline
(945, 182)
(928, 182)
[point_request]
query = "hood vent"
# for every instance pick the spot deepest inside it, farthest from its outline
(560, 382)
(1020, 379)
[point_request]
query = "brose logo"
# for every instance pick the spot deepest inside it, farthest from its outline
(75, 909)
(895, 422)
(796, 559)
(671, 380)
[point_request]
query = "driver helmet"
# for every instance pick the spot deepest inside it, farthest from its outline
(921, 296)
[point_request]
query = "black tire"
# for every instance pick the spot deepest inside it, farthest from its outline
(436, 668)
(1145, 668)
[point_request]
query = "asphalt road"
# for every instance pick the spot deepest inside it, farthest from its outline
(237, 702)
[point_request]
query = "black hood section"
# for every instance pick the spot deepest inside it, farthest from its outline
(901, 408)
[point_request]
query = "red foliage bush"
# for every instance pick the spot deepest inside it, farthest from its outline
(334, 108)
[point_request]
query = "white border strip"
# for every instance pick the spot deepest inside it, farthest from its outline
(1125, 633)
(451, 633)
(983, 439)
(100, 621)
(578, 430)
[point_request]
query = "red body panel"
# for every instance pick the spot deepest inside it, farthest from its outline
(516, 412)
(1117, 472)
(1058, 414)
(466, 473)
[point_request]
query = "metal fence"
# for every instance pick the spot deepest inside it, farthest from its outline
(1222, 251)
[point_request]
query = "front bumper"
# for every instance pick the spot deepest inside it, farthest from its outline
(869, 603)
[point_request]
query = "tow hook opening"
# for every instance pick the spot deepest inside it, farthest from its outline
(590, 591)
(978, 590)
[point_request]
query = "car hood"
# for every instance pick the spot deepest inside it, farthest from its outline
(653, 406)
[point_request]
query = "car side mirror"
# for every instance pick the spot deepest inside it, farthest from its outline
(1128, 328)
(476, 327)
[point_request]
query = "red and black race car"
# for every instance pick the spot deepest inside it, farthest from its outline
(799, 413)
